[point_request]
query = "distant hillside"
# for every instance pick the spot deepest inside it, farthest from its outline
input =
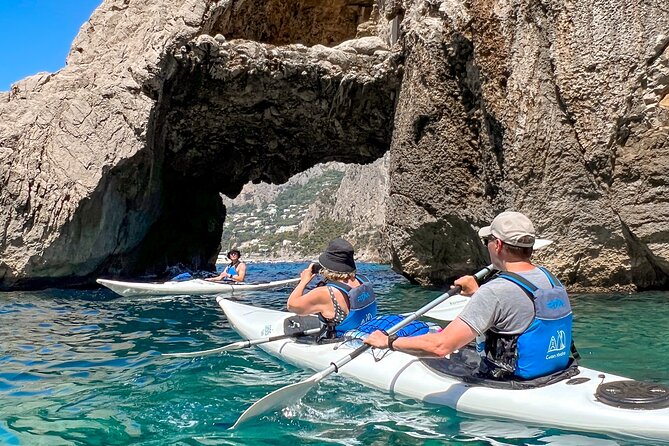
(297, 219)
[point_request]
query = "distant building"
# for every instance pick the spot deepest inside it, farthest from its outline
(282, 229)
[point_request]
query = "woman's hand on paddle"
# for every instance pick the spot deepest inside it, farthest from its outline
(377, 339)
(469, 285)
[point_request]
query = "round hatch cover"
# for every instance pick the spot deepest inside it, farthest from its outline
(633, 395)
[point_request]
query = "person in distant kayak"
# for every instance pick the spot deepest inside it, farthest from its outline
(235, 271)
(344, 300)
(521, 319)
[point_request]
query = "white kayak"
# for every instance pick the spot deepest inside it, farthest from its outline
(195, 287)
(573, 403)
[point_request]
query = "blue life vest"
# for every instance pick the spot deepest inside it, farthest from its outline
(230, 269)
(544, 347)
(362, 304)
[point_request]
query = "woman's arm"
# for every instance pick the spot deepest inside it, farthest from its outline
(315, 301)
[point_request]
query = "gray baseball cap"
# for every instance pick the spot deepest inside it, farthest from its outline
(513, 228)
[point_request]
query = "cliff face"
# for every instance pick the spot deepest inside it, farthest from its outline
(556, 109)
(114, 164)
(79, 167)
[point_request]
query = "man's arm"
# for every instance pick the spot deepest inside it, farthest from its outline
(220, 277)
(432, 345)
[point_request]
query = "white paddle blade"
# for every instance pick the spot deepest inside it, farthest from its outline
(541, 243)
(448, 309)
(235, 346)
(280, 398)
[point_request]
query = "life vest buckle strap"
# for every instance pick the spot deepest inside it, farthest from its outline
(551, 278)
(528, 287)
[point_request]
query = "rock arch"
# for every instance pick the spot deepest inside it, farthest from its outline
(114, 165)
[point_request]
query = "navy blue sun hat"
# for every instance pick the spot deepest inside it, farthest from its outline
(338, 257)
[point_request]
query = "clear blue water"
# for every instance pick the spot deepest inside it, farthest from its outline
(84, 368)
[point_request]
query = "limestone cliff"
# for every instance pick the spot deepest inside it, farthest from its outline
(553, 108)
(113, 165)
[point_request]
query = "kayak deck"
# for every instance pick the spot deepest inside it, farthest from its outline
(569, 404)
(193, 287)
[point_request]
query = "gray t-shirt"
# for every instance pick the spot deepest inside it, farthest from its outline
(502, 305)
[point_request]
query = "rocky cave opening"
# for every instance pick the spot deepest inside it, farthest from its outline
(242, 111)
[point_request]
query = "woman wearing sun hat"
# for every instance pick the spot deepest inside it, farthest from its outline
(345, 300)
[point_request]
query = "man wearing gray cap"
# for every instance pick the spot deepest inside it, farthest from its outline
(521, 319)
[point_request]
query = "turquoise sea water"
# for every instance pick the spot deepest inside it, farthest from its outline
(84, 368)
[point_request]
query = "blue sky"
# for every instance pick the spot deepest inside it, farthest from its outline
(37, 35)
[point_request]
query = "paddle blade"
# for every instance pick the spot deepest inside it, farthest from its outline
(280, 398)
(448, 309)
(541, 243)
(235, 346)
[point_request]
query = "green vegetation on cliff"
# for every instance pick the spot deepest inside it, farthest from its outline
(272, 229)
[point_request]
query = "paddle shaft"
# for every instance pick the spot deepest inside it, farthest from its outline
(252, 342)
(334, 367)
(246, 344)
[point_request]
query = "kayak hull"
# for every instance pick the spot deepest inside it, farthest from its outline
(568, 404)
(195, 287)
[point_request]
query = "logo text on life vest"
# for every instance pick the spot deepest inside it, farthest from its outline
(557, 345)
(555, 304)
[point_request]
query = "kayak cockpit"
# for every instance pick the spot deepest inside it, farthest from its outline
(464, 364)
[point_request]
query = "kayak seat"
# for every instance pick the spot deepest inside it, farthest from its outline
(464, 365)
(295, 324)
